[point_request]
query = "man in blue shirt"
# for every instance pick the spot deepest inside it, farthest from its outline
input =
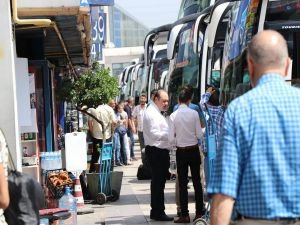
(258, 169)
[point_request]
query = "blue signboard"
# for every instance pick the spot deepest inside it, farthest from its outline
(98, 32)
(102, 2)
(85, 3)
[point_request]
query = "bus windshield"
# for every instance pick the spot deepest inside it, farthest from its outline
(128, 83)
(186, 66)
(138, 85)
(284, 16)
(189, 7)
(235, 77)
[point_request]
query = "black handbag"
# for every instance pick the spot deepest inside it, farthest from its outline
(26, 198)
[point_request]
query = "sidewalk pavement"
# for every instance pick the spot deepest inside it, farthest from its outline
(133, 206)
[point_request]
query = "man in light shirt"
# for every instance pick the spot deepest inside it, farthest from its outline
(105, 114)
(156, 131)
(138, 115)
(184, 133)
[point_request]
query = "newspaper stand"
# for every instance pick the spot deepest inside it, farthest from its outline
(105, 190)
(210, 142)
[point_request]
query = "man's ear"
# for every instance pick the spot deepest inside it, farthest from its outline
(250, 63)
(288, 67)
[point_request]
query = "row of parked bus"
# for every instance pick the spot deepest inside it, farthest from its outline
(207, 46)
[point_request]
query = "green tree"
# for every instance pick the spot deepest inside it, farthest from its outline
(92, 88)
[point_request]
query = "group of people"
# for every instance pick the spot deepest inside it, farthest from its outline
(256, 174)
(117, 123)
(181, 131)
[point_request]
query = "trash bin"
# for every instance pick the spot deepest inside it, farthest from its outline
(93, 183)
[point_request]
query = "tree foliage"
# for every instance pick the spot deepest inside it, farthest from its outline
(92, 88)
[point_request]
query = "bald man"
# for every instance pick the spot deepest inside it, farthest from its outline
(258, 170)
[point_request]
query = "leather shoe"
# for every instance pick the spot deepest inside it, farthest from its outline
(198, 215)
(182, 219)
(162, 217)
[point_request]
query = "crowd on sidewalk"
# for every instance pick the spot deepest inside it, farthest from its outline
(255, 175)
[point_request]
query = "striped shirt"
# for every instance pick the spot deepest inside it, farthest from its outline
(259, 165)
(217, 113)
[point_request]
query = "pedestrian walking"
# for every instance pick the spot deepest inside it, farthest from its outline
(131, 126)
(138, 116)
(184, 133)
(156, 130)
(257, 173)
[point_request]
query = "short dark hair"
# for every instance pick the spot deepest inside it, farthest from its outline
(185, 95)
(214, 98)
(153, 92)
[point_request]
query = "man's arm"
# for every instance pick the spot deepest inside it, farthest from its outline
(134, 116)
(221, 209)
(131, 125)
(172, 134)
(91, 123)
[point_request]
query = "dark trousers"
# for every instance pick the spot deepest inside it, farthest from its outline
(131, 145)
(189, 157)
(159, 160)
(141, 140)
(97, 144)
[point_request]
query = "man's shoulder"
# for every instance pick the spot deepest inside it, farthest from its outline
(194, 106)
(150, 109)
(173, 115)
(137, 108)
(127, 107)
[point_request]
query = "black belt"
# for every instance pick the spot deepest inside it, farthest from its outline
(273, 219)
(188, 147)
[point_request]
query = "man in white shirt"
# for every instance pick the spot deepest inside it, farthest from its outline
(184, 133)
(138, 115)
(155, 127)
(105, 114)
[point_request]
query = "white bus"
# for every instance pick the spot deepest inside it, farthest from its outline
(247, 18)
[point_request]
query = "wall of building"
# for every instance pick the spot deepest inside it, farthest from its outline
(121, 56)
(125, 30)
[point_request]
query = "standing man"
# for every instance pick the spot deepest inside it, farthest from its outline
(131, 127)
(156, 131)
(105, 114)
(184, 133)
(138, 116)
(217, 111)
(258, 169)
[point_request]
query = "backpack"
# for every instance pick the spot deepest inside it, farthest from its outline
(26, 198)
(144, 172)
